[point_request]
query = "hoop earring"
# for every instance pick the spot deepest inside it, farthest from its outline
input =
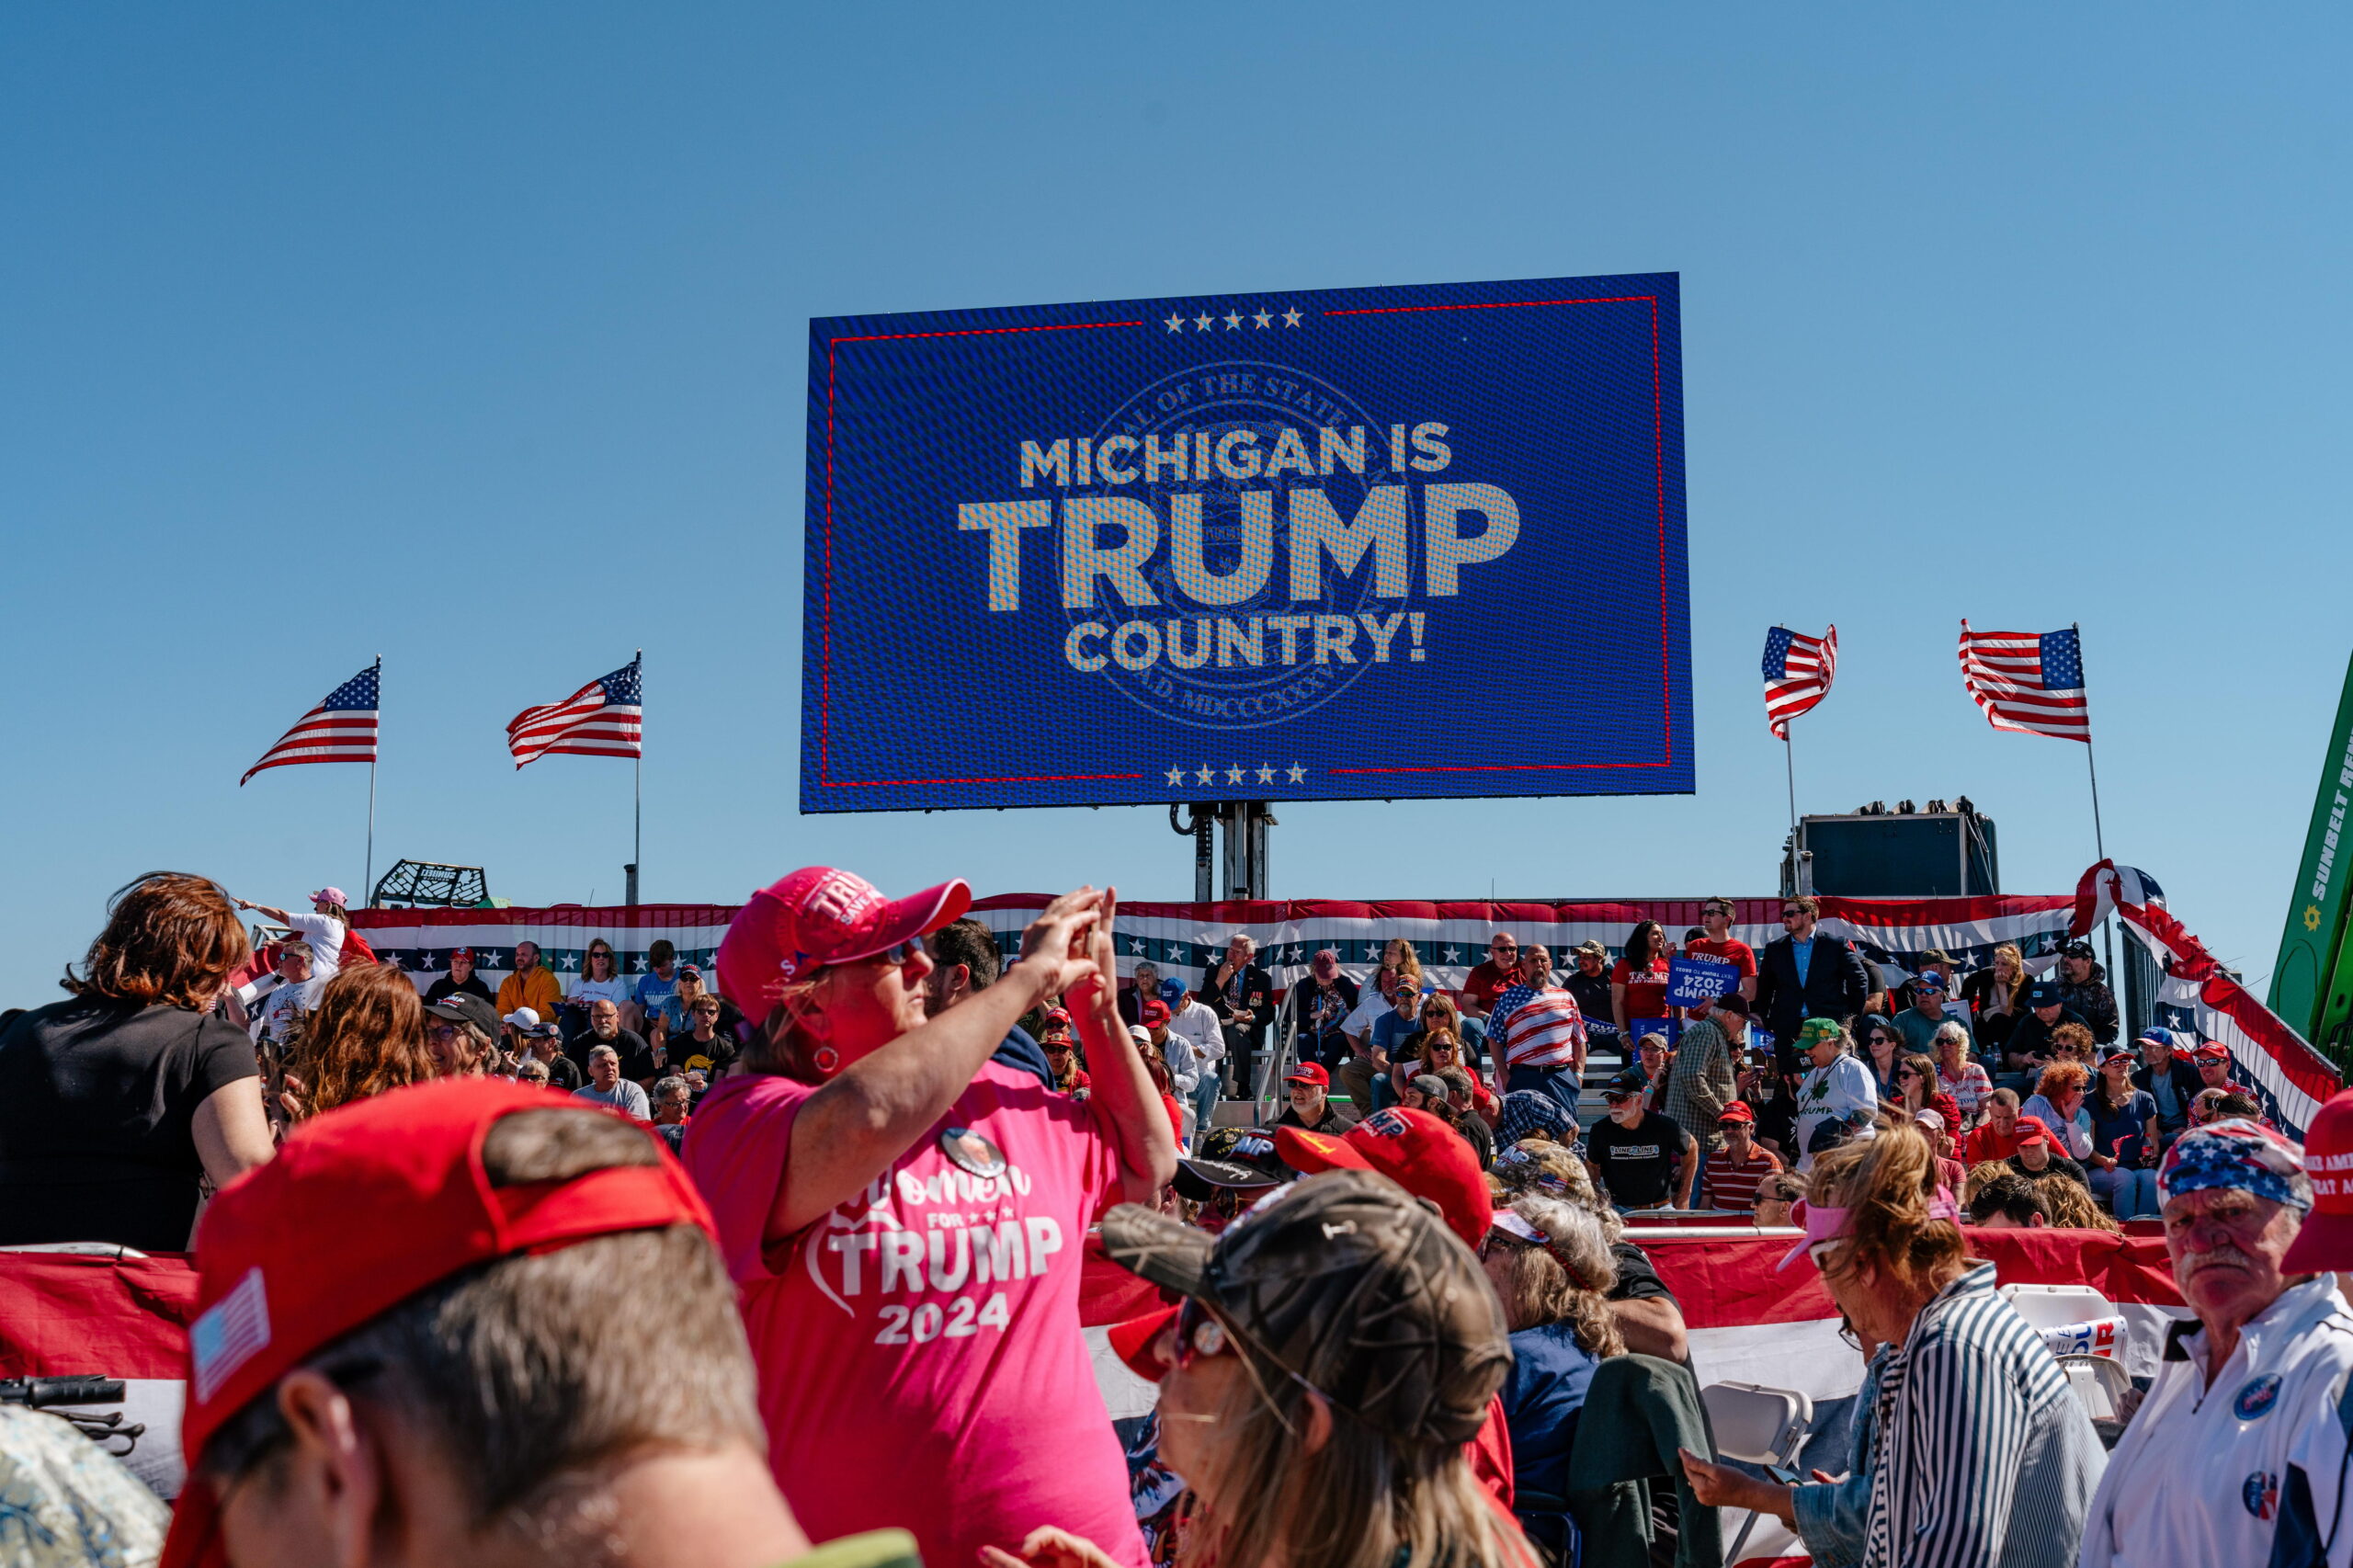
(825, 1059)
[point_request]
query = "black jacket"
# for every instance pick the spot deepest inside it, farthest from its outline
(2185, 1084)
(1836, 983)
(2093, 1003)
(2032, 1038)
(1257, 994)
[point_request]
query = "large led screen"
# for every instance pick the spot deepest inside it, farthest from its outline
(1338, 544)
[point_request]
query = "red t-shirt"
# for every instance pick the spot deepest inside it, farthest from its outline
(1485, 982)
(918, 1348)
(1646, 989)
(1489, 1454)
(1985, 1142)
(1743, 956)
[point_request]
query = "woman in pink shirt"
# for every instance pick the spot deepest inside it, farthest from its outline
(904, 1217)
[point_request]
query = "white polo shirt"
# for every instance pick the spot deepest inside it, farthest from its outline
(2202, 1475)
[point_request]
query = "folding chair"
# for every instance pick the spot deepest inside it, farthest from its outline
(2100, 1381)
(2056, 1306)
(1756, 1426)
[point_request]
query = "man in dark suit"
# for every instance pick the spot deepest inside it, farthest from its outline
(1243, 997)
(1801, 974)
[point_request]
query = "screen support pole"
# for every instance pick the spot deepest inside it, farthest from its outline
(1246, 825)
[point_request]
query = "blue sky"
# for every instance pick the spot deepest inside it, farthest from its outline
(474, 338)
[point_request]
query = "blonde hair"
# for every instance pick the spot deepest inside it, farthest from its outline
(2071, 1205)
(1364, 1499)
(1566, 1280)
(1886, 1181)
(1974, 1183)
(1409, 965)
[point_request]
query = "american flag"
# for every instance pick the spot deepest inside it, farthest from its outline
(1797, 673)
(604, 718)
(2033, 685)
(229, 1334)
(341, 729)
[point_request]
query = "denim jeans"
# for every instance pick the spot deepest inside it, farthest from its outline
(1205, 1097)
(1560, 1082)
(2131, 1194)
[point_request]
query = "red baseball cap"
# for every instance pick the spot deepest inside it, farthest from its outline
(1309, 1072)
(2213, 1050)
(1131, 1341)
(2325, 1244)
(2033, 1130)
(816, 916)
(1412, 1148)
(1155, 1013)
(292, 1255)
(1737, 1111)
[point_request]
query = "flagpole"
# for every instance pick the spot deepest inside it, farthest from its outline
(1789, 757)
(367, 878)
(2099, 843)
(637, 845)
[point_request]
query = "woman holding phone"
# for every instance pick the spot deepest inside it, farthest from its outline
(2123, 1162)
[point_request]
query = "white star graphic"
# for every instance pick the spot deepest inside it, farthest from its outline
(1266, 775)
(1234, 776)
(1176, 323)
(1201, 322)
(1233, 321)
(1454, 955)
(1135, 947)
(1298, 774)
(1205, 775)
(1291, 317)
(1264, 319)
(1175, 775)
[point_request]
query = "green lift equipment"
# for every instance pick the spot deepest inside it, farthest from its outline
(2311, 984)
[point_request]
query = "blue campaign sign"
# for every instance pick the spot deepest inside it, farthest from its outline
(1293, 545)
(1694, 978)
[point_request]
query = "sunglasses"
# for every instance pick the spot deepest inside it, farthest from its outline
(1794, 915)
(441, 1034)
(1199, 1333)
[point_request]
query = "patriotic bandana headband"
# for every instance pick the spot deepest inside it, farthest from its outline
(1822, 1223)
(2235, 1153)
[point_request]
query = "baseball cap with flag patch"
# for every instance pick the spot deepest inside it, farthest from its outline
(817, 916)
(291, 1257)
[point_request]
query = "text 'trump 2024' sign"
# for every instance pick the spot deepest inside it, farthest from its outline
(1369, 542)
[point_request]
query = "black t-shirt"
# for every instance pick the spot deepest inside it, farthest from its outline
(1637, 1280)
(444, 988)
(564, 1073)
(1638, 1164)
(720, 1048)
(97, 1102)
(1332, 1122)
(637, 1057)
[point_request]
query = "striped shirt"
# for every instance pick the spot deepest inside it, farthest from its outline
(1537, 1029)
(1733, 1185)
(1985, 1458)
(1968, 1091)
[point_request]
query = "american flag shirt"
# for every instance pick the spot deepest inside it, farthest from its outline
(1537, 1029)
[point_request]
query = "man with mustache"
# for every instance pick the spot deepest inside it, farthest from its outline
(2241, 1444)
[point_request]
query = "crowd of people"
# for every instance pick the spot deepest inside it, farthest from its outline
(847, 1191)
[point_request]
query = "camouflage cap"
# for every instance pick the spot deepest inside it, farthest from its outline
(1350, 1284)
